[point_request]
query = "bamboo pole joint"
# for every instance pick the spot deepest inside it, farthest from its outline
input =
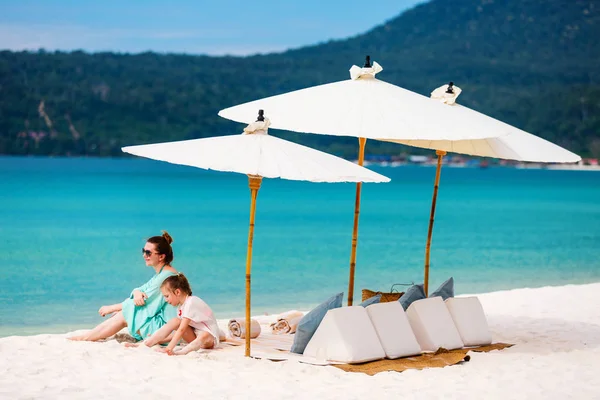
(254, 181)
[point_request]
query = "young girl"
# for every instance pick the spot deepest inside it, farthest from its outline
(196, 323)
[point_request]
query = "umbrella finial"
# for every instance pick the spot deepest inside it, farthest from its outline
(259, 126)
(446, 93)
(368, 71)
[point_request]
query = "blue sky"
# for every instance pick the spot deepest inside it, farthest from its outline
(197, 27)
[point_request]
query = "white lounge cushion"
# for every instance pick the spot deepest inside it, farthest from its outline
(469, 320)
(432, 325)
(393, 329)
(346, 335)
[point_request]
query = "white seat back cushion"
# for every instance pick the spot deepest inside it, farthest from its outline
(346, 335)
(432, 325)
(470, 320)
(393, 329)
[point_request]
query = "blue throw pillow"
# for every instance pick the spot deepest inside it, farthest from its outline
(413, 293)
(310, 322)
(371, 300)
(446, 290)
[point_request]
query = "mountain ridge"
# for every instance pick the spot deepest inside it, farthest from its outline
(529, 63)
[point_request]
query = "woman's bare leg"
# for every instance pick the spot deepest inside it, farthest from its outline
(85, 335)
(204, 340)
(106, 329)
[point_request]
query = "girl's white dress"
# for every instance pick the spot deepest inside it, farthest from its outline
(200, 315)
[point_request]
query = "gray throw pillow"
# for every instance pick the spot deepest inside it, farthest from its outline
(371, 300)
(413, 293)
(310, 322)
(446, 290)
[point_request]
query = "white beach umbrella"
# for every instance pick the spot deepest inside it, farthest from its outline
(516, 145)
(258, 155)
(366, 107)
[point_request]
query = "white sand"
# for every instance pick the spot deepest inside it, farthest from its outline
(557, 356)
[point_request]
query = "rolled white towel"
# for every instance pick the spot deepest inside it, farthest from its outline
(287, 322)
(237, 328)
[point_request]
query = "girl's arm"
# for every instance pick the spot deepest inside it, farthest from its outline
(105, 310)
(183, 325)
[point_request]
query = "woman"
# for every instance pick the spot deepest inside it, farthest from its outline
(145, 311)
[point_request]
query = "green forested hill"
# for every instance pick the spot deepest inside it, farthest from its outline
(532, 63)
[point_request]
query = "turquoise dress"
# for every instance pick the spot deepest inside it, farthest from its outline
(143, 321)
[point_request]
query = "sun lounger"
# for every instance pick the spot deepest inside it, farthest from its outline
(432, 325)
(393, 329)
(469, 319)
(346, 335)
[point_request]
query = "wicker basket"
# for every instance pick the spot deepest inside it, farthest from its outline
(385, 297)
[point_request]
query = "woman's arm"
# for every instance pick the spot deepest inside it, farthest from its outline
(183, 325)
(105, 310)
(139, 297)
(141, 289)
(150, 288)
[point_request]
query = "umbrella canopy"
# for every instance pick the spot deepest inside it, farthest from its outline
(258, 155)
(516, 145)
(367, 107)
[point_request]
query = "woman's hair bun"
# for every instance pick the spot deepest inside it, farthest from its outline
(167, 237)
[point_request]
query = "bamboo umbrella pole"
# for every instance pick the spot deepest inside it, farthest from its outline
(361, 158)
(254, 184)
(440, 154)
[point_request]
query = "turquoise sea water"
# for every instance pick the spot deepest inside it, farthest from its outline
(71, 232)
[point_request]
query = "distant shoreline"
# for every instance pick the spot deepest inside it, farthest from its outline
(561, 167)
(429, 163)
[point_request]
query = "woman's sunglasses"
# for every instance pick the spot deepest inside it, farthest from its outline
(147, 253)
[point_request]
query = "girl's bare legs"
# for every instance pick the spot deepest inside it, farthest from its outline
(106, 329)
(163, 334)
(204, 340)
(189, 335)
